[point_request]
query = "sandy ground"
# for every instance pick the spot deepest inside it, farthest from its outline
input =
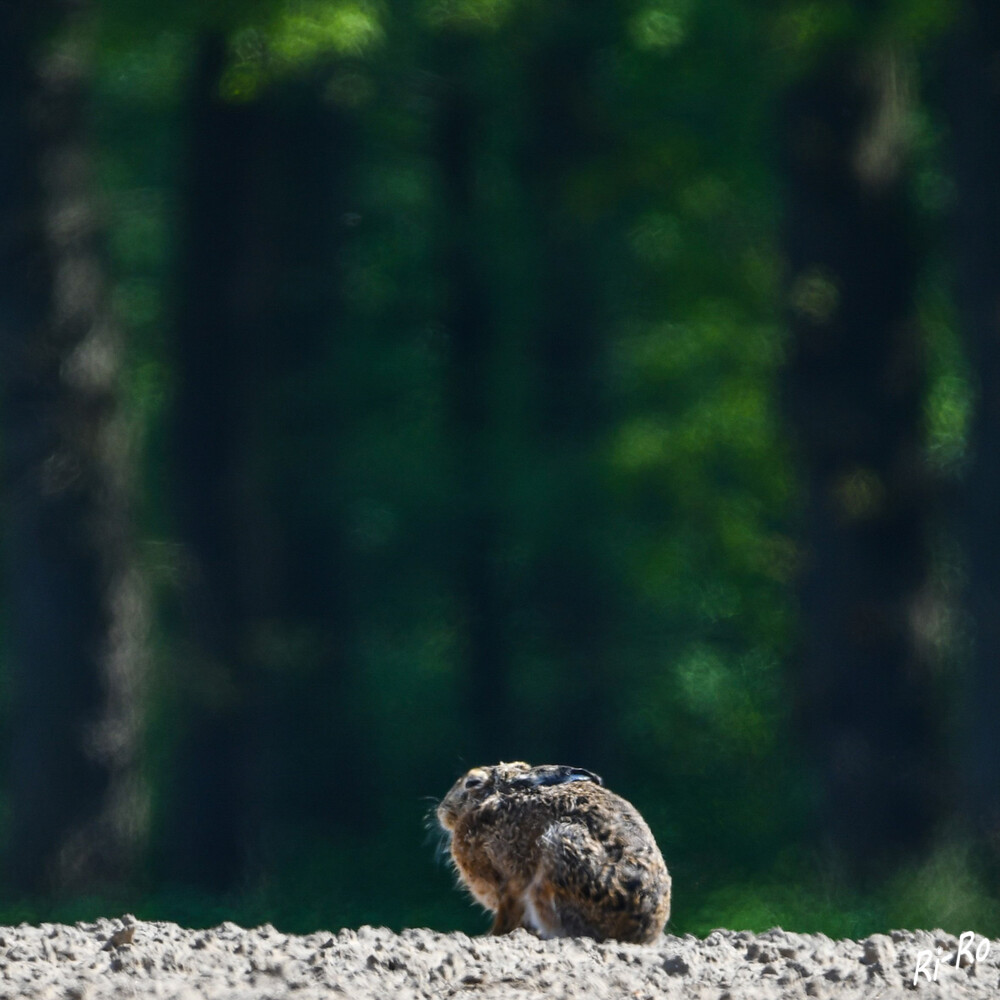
(125, 958)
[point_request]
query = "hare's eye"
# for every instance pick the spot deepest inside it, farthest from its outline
(473, 782)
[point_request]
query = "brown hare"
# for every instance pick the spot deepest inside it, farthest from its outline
(549, 848)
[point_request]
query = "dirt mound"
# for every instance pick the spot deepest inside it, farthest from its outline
(127, 958)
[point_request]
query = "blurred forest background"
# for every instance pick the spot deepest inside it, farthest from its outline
(393, 386)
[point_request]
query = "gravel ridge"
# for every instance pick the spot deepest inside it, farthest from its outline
(126, 958)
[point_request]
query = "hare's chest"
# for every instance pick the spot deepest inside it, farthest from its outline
(473, 858)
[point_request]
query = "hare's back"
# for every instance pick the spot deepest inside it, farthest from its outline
(610, 819)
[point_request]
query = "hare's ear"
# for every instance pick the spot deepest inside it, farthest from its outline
(555, 774)
(576, 774)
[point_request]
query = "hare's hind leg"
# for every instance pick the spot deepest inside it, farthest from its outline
(564, 896)
(541, 913)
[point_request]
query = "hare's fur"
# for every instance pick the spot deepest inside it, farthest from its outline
(550, 849)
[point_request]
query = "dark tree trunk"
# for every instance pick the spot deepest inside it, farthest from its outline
(565, 137)
(972, 87)
(854, 389)
(75, 609)
(469, 322)
(220, 290)
(254, 315)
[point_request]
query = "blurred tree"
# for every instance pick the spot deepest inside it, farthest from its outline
(212, 795)
(972, 94)
(76, 612)
(854, 388)
(264, 719)
(471, 330)
(565, 150)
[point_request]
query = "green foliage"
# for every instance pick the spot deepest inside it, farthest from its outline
(688, 525)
